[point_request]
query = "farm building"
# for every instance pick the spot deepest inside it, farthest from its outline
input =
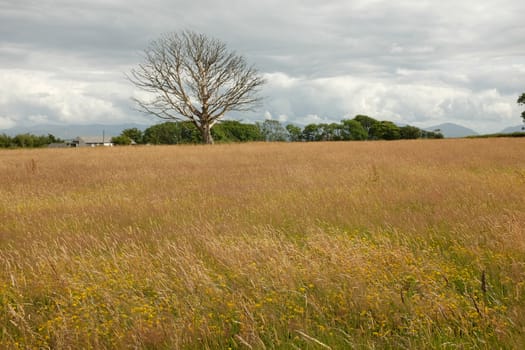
(90, 141)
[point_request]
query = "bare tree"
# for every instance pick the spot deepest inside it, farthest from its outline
(194, 77)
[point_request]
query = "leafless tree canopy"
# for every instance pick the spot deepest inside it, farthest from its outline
(196, 78)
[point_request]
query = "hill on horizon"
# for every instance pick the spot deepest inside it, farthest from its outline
(451, 130)
(511, 129)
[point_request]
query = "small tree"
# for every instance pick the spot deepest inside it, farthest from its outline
(409, 132)
(195, 78)
(5, 141)
(172, 133)
(235, 131)
(313, 132)
(24, 140)
(121, 140)
(353, 130)
(133, 134)
(367, 122)
(161, 134)
(273, 130)
(521, 101)
(295, 133)
(385, 130)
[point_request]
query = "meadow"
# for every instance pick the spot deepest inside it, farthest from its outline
(350, 245)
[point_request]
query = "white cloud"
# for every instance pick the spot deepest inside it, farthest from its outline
(410, 61)
(6, 122)
(268, 115)
(33, 97)
(331, 99)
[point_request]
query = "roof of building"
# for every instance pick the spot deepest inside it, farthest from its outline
(94, 139)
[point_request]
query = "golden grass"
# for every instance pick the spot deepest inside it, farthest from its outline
(412, 244)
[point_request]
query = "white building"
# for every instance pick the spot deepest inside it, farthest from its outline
(90, 141)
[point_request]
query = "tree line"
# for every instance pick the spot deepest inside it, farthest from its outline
(27, 141)
(227, 131)
(362, 127)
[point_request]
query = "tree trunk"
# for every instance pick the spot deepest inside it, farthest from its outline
(206, 134)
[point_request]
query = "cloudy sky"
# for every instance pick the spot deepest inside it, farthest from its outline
(414, 62)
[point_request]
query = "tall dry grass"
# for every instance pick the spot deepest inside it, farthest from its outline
(362, 245)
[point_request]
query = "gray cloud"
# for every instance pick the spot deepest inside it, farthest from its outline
(420, 62)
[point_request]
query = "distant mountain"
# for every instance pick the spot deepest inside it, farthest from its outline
(511, 129)
(72, 131)
(452, 130)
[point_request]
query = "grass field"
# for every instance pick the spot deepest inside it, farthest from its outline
(363, 245)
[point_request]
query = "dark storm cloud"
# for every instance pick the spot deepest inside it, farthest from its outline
(410, 61)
